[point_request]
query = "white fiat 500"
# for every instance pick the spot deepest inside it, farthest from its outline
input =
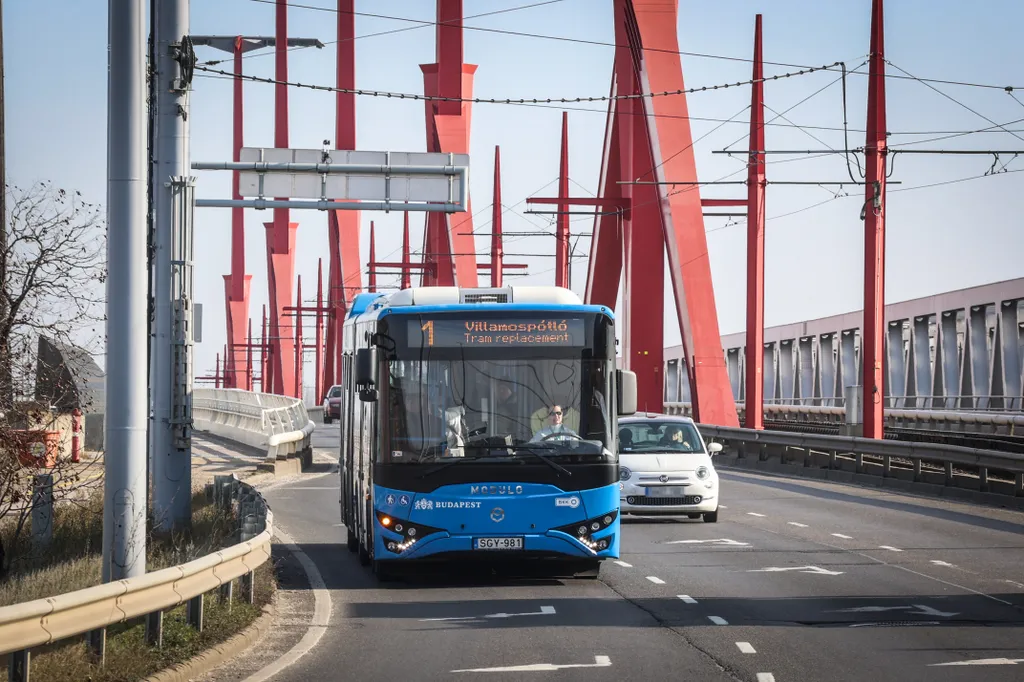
(664, 468)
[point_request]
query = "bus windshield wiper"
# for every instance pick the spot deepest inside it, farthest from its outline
(453, 462)
(547, 460)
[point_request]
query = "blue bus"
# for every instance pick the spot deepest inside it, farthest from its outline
(480, 424)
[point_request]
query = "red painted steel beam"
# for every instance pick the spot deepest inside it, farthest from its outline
(497, 245)
(372, 277)
(708, 203)
(448, 126)
(345, 270)
(280, 232)
(562, 219)
(236, 285)
(872, 339)
(318, 372)
(298, 337)
(602, 201)
(406, 281)
(264, 379)
(756, 182)
(248, 358)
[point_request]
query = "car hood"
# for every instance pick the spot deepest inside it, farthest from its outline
(665, 461)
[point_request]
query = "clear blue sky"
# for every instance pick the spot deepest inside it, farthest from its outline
(939, 238)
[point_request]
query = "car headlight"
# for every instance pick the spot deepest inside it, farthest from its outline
(624, 473)
(703, 473)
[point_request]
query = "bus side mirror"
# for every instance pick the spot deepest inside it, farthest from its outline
(625, 393)
(366, 374)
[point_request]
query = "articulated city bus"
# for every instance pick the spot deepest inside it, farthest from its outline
(481, 424)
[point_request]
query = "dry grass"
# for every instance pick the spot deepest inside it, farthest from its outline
(73, 564)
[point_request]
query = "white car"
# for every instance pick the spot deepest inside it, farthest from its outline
(665, 469)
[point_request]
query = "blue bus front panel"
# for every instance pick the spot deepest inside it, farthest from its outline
(495, 519)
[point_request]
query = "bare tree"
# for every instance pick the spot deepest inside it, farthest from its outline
(52, 287)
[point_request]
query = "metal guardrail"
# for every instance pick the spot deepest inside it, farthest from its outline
(90, 611)
(939, 420)
(981, 463)
(263, 420)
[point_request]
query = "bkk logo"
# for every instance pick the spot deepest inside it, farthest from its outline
(496, 490)
(567, 502)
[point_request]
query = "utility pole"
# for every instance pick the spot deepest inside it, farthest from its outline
(6, 381)
(171, 378)
(124, 485)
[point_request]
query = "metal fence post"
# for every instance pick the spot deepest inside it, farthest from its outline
(97, 640)
(194, 612)
(249, 587)
(19, 664)
(155, 629)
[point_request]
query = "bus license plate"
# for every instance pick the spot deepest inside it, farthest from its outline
(497, 543)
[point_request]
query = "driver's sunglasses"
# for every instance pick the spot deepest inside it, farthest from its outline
(557, 413)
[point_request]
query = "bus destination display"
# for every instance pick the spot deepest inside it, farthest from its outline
(553, 331)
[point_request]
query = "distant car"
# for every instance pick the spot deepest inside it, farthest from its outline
(664, 468)
(332, 404)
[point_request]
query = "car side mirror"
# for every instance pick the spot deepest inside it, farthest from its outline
(714, 448)
(625, 393)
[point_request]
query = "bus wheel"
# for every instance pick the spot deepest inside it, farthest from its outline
(364, 555)
(352, 542)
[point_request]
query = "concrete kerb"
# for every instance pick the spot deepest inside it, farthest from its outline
(220, 654)
(930, 490)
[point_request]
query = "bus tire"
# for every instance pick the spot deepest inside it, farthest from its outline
(352, 542)
(364, 555)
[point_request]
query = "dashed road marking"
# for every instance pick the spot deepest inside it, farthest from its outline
(840, 535)
(624, 564)
(745, 647)
(891, 549)
(656, 581)
(765, 677)
(687, 599)
(755, 514)
(798, 525)
(942, 563)
(717, 620)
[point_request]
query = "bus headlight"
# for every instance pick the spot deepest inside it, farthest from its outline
(410, 532)
(624, 473)
(703, 473)
(584, 531)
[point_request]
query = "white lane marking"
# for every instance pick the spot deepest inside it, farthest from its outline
(1015, 583)
(717, 620)
(840, 535)
(755, 514)
(599, 662)
(723, 541)
(891, 549)
(656, 581)
(942, 563)
(687, 599)
(745, 647)
(544, 611)
(624, 564)
(321, 613)
(798, 525)
(983, 661)
(765, 677)
(722, 506)
(802, 569)
(922, 610)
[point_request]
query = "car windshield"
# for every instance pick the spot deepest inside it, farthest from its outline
(487, 408)
(660, 436)
(335, 392)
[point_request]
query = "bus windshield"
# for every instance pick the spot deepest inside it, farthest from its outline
(486, 407)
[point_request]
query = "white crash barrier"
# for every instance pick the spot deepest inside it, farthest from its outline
(275, 423)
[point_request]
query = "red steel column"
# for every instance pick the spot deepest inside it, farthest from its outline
(318, 372)
(345, 271)
(562, 219)
(264, 379)
(448, 127)
(248, 358)
(872, 339)
(216, 371)
(756, 181)
(298, 337)
(236, 285)
(372, 276)
(280, 232)
(406, 259)
(497, 250)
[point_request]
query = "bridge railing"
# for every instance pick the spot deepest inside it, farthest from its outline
(91, 610)
(276, 423)
(941, 420)
(949, 466)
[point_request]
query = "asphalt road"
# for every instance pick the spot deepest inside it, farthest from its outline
(798, 580)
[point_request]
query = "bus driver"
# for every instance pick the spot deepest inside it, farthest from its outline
(555, 430)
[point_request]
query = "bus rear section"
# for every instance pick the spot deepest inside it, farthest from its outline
(483, 430)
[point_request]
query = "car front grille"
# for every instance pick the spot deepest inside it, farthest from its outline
(645, 501)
